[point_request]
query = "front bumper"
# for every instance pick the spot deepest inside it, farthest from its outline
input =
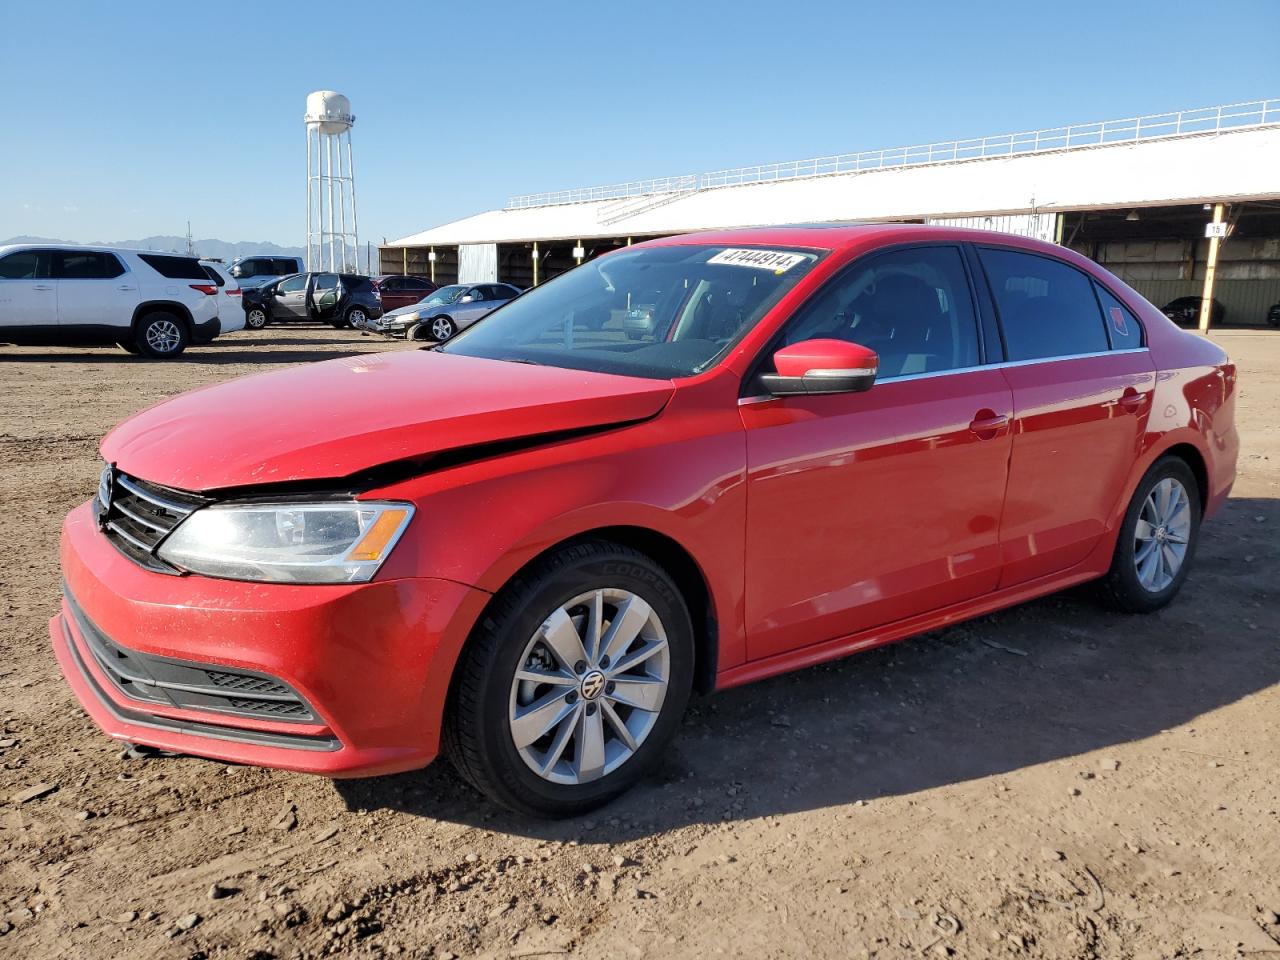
(370, 663)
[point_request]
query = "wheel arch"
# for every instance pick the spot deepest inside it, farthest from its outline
(1190, 454)
(676, 560)
(148, 307)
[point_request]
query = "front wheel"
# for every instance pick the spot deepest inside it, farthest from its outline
(161, 335)
(573, 683)
(255, 318)
(442, 328)
(1157, 539)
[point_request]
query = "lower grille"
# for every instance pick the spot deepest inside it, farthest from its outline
(178, 683)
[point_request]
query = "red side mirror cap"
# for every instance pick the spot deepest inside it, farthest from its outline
(822, 366)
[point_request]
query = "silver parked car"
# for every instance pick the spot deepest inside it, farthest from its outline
(446, 311)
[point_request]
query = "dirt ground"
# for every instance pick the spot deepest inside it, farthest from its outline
(1051, 781)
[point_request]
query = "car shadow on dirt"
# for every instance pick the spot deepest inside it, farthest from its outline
(1054, 678)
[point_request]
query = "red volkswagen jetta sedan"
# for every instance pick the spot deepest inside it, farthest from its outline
(527, 546)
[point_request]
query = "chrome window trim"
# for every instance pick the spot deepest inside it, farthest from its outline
(981, 366)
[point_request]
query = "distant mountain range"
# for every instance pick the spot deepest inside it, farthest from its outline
(212, 249)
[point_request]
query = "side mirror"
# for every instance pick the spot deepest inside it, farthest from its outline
(467, 299)
(821, 366)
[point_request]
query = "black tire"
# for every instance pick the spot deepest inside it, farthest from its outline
(441, 329)
(255, 318)
(419, 331)
(161, 335)
(477, 734)
(1121, 587)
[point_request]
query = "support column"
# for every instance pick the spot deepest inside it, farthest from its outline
(1210, 270)
(535, 263)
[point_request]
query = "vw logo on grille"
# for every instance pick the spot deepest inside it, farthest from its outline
(592, 684)
(106, 487)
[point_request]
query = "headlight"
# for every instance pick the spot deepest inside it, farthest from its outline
(340, 542)
(404, 318)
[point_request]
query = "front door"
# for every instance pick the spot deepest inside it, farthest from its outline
(28, 296)
(290, 299)
(864, 509)
(1082, 387)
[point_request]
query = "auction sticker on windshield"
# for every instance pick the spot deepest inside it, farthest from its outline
(775, 260)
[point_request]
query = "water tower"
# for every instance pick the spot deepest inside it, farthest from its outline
(332, 240)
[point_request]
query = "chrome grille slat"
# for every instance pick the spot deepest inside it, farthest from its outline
(119, 531)
(164, 504)
(138, 518)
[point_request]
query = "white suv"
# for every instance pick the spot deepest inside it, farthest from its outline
(153, 304)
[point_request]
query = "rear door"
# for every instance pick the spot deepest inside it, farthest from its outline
(28, 295)
(326, 296)
(1082, 392)
(94, 290)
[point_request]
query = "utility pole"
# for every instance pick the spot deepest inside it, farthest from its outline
(1215, 231)
(191, 248)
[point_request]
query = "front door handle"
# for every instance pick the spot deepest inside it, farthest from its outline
(42, 286)
(987, 424)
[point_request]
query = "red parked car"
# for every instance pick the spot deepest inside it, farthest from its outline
(403, 291)
(827, 438)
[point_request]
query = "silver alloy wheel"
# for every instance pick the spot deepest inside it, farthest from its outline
(590, 686)
(256, 319)
(442, 328)
(1161, 536)
(163, 336)
(356, 317)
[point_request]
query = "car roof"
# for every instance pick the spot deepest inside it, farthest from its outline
(92, 248)
(840, 236)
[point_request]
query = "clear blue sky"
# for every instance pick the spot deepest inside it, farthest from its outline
(127, 119)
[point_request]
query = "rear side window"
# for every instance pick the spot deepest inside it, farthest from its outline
(1047, 309)
(26, 265)
(87, 265)
(286, 265)
(1122, 325)
(175, 268)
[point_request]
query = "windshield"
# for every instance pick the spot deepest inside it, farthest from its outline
(444, 295)
(650, 312)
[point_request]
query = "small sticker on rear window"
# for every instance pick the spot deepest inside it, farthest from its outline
(1117, 321)
(775, 260)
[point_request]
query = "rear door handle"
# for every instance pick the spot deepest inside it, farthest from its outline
(42, 286)
(988, 424)
(1131, 399)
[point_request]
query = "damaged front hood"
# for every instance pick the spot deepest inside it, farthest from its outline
(334, 419)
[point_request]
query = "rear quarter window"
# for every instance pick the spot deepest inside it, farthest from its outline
(1047, 308)
(1122, 326)
(175, 268)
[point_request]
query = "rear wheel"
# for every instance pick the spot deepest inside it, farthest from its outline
(255, 318)
(573, 683)
(161, 335)
(1157, 539)
(357, 317)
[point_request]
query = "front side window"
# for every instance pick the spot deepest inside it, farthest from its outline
(26, 265)
(1046, 308)
(1122, 326)
(698, 301)
(911, 306)
(293, 284)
